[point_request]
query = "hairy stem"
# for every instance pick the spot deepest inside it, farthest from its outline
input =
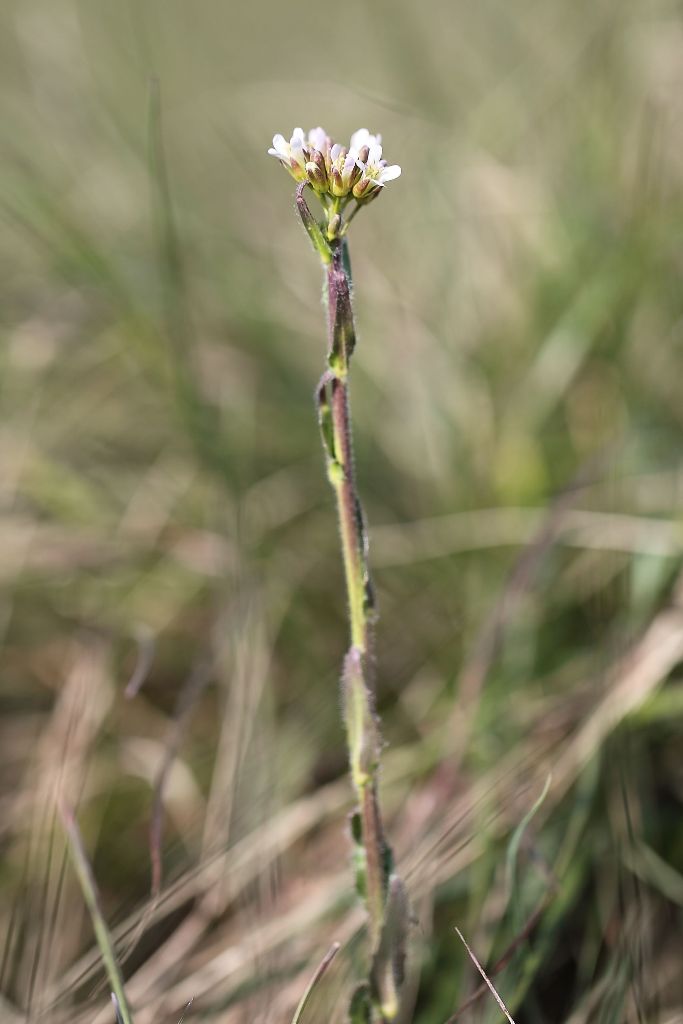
(381, 890)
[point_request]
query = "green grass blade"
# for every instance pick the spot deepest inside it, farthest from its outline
(518, 835)
(88, 886)
(322, 967)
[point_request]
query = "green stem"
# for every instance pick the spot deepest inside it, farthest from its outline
(351, 535)
(381, 890)
(363, 732)
(341, 469)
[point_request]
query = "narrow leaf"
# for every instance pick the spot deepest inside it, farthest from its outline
(322, 967)
(104, 941)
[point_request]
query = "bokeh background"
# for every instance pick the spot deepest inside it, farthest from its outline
(167, 529)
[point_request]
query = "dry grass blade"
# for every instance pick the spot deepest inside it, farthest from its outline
(504, 960)
(189, 695)
(481, 970)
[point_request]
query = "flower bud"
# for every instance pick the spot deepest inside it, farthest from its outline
(363, 154)
(355, 175)
(319, 160)
(297, 170)
(364, 188)
(317, 178)
(336, 183)
(333, 226)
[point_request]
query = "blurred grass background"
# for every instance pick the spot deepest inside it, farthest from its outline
(166, 523)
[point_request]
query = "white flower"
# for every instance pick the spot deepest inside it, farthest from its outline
(375, 171)
(345, 169)
(320, 140)
(338, 174)
(364, 138)
(292, 154)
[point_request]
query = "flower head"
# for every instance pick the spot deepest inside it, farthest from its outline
(345, 170)
(338, 173)
(375, 172)
(291, 154)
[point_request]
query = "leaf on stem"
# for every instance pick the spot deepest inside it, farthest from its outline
(388, 966)
(361, 726)
(360, 1007)
(320, 243)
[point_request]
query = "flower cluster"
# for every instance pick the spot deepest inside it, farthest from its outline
(338, 172)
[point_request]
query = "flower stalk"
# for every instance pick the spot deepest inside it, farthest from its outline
(372, 853)
(340, 176)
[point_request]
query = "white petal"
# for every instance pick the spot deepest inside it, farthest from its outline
(375, 155)
(297, 152)
(389, 173)
(317, 138)
(280, 144)
(274, 152)
(360, 138)
(365, 138)
(298, 136)
(335, 151)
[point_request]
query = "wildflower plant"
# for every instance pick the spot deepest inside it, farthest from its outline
(344, 179)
